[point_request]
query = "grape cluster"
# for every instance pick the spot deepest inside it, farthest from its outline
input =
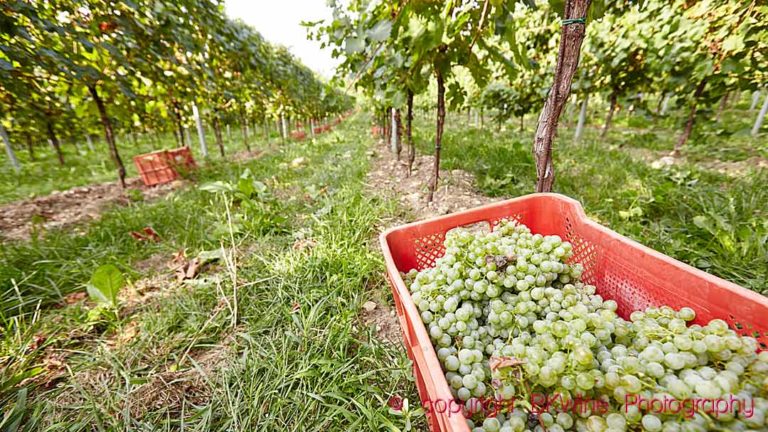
(510, 318)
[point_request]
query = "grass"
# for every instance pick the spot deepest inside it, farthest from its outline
(716, 223)
(275, 342)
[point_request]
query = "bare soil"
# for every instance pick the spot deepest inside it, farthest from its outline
(456, 188)
(382, 317)
(21, 219)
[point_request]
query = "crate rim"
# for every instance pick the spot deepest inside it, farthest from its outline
(731, 286)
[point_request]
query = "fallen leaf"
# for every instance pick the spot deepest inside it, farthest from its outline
(37, 341)
(146, 234)
(192, 268)
(151, 234)
(125, 335)
(369, 306)
(179, 259)
(295, 307)
(302, 244)
(75, 297)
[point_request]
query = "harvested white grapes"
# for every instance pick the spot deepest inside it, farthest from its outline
(525, 345)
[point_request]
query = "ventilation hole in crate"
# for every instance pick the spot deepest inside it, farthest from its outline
(624, 284)
(585, 254)
(428, 249)
(736, 326)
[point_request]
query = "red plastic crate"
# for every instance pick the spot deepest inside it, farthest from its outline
(633, 275)
(181, 159)
(155, 168)
(164, 166)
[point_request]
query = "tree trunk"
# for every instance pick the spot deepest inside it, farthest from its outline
(200, 131)
(438, 133)
(608, 119)
(760, 117)
(217, 133)
(187, 137)
(482, 117)
(582, 119)
(387, 127)
(721, 107)
(30, 147)
(665, 104)
(179, 128)
(399, 133)
(522, 123)
(755, 100)
(567, 61)
(393, 132)
(54, 140)
(659, 103)
(244, 131)
(689, 124)
(134, 140)
(176, 136)
(8, 149)
(109, 135)
(409, 133)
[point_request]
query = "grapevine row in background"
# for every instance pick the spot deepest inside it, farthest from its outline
(79, 69)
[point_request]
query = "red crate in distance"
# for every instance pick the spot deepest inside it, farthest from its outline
(155, 168)
(298, 135)
(181, 159)
(164, 166)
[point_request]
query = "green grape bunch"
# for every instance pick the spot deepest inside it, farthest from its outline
(513, 323)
